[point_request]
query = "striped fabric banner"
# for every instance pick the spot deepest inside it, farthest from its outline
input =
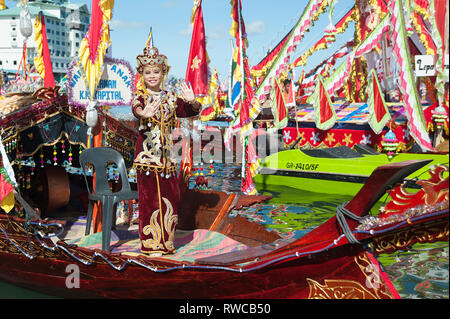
(340, 75)
(414, 112)
(442, 75)
(328, 38)
(306, 21)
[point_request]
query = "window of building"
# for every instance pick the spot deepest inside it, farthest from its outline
(1, 62)
(77, 44)
(14, 62)
(57, 64)
(77, 35)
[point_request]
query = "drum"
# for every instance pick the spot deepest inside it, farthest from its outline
(50, 188)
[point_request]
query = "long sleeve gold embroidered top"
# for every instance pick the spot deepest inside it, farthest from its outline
(155, 142)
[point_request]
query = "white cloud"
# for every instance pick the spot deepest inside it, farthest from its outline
(256, 27)
(125, 25)
(170, 4)
(214, 34)
(187, 31)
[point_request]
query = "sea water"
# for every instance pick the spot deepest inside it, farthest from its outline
(422, 272)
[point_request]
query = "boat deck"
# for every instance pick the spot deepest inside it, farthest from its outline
(190, 244)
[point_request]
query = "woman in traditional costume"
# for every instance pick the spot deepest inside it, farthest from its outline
(156, 167)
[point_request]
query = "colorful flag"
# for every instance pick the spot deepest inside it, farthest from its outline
(234, 91)
(249, 106)
(312, 10)
(237, 29)
(242, 99)
(260, 69)
(379, 113)
(279, 109)
(42, 61)
(2, 5)
(327, 39)
(211, 103)
(413, 108)
(95, 43)
(323, 108)
(197, 67)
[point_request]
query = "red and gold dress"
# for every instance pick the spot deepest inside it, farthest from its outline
(156, 167)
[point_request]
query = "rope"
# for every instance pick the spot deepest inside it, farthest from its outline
(341, 212)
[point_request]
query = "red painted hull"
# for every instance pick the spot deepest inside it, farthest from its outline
(282, 273)
(279, 280)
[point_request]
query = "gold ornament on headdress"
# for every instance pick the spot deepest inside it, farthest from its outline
(152, 57)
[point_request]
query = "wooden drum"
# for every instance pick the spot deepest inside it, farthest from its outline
(51, 188)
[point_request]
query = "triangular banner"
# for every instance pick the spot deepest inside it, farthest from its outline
(279, 109)
(323, 108)
(378, 112)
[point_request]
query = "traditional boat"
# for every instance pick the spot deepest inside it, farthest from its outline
(335, 260)
(335, 170)
(43, 136)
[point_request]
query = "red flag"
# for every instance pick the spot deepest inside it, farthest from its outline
(42, 61)
(280, 113)
(323, 108)
(379, 107)
(95, 43)
(326, 113)
(379, 114)
(197, 67)
(95, 29)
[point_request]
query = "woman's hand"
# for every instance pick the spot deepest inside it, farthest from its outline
(186, 92)
(151, 108)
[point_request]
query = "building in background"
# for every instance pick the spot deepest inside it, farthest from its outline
(66, 25)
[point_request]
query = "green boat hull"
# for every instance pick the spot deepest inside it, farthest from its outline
(345, 176)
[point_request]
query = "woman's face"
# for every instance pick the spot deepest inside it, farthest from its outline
(152, 77)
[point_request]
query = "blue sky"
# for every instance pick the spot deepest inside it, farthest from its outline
(267, 21)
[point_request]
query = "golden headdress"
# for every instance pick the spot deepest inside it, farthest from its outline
(152, 57)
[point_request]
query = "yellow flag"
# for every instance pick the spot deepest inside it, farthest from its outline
(2, 4)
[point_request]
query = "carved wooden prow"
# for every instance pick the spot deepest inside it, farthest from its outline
(382, 179)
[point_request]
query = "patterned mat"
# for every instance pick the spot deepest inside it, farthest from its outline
(190, 245)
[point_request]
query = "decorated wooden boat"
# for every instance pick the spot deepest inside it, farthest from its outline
(335, 260)
(336, 170)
